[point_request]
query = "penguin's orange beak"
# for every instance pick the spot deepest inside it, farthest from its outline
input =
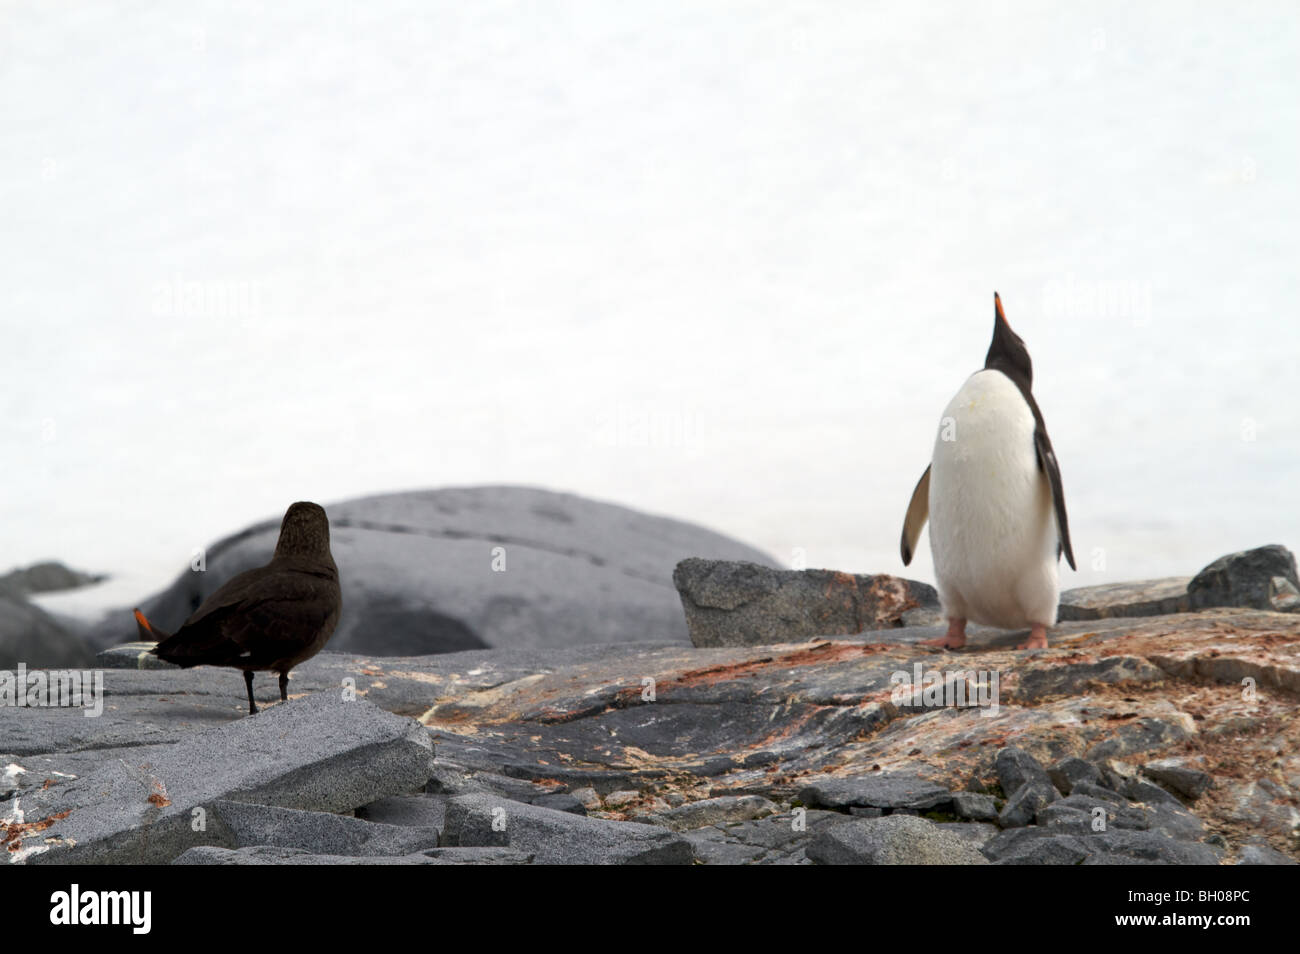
(146, 628)
(997, 306)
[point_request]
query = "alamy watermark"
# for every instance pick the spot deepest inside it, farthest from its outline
(1079, 298)
(643, 425)
(939, 688)
(64, 688)
(185, 298)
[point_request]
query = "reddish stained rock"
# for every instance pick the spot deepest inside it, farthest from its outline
(761, 721)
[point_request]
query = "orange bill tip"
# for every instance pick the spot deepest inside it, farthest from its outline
(143, 621)
(997, 304)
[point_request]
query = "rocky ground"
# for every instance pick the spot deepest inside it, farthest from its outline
(1158, 728)
(1164, 739)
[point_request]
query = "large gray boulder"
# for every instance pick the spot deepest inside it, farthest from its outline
(885, 791)
(1257, 578)
(893, 840)
(47, 577)
(32, 636)
(471, 568)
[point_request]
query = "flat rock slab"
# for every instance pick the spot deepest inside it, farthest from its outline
(893, 840)
(886, 791)
(1262, 578)
(1143, 598)
(246, 825)
(731, 603)
(780, 839)
(715, 811)
(268, 855)
(319, 753)
(1180, 775)
(414, 811)
(1038, 684)
(554, 837)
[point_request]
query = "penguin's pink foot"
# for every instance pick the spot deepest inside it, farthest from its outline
(1037, 638)
(955, 638)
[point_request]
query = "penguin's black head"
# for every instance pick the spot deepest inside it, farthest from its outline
(1007, 353)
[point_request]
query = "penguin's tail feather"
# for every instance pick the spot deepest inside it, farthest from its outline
(149, 633)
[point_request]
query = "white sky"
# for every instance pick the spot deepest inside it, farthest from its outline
(725, 262)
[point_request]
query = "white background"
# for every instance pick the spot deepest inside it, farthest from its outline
(725, 262)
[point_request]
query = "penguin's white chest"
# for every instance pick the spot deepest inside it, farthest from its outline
(992, 531)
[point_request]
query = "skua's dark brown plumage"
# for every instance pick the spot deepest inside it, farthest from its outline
(269, 618)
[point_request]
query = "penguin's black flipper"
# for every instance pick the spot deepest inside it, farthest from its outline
(918, 511)
(1047, 462)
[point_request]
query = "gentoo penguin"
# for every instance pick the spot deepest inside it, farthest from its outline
(268, 618)
(993, 496)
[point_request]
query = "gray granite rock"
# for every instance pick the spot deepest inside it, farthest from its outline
(33, 637)
(1069, 772)
(269, 855)
(1109, 600)
(132, 655)
(1010, 841)
(47, 577)
(1025, 803)
(745, 604)
(1244, 578)
(245, 825)
(893, 840)
(886, 790)
(1151, 846)
(1143, 734)
(977, 833)
(715, 811)
(319, 753)
(575, 572)
(1175, 822)
(1120, 859)
(712, 847)
(559, 837)
(771, 840)
(1069, 818)
(1040, 845)
(1263, 855)
(1283, 595)
(1140, 790)
(1037, 684)
(1059, 849)
(414, 811)
(1181, 775)
(1015, 767)
(561, 802)
(975, 806)
(1078, 813)
(1115, 775)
